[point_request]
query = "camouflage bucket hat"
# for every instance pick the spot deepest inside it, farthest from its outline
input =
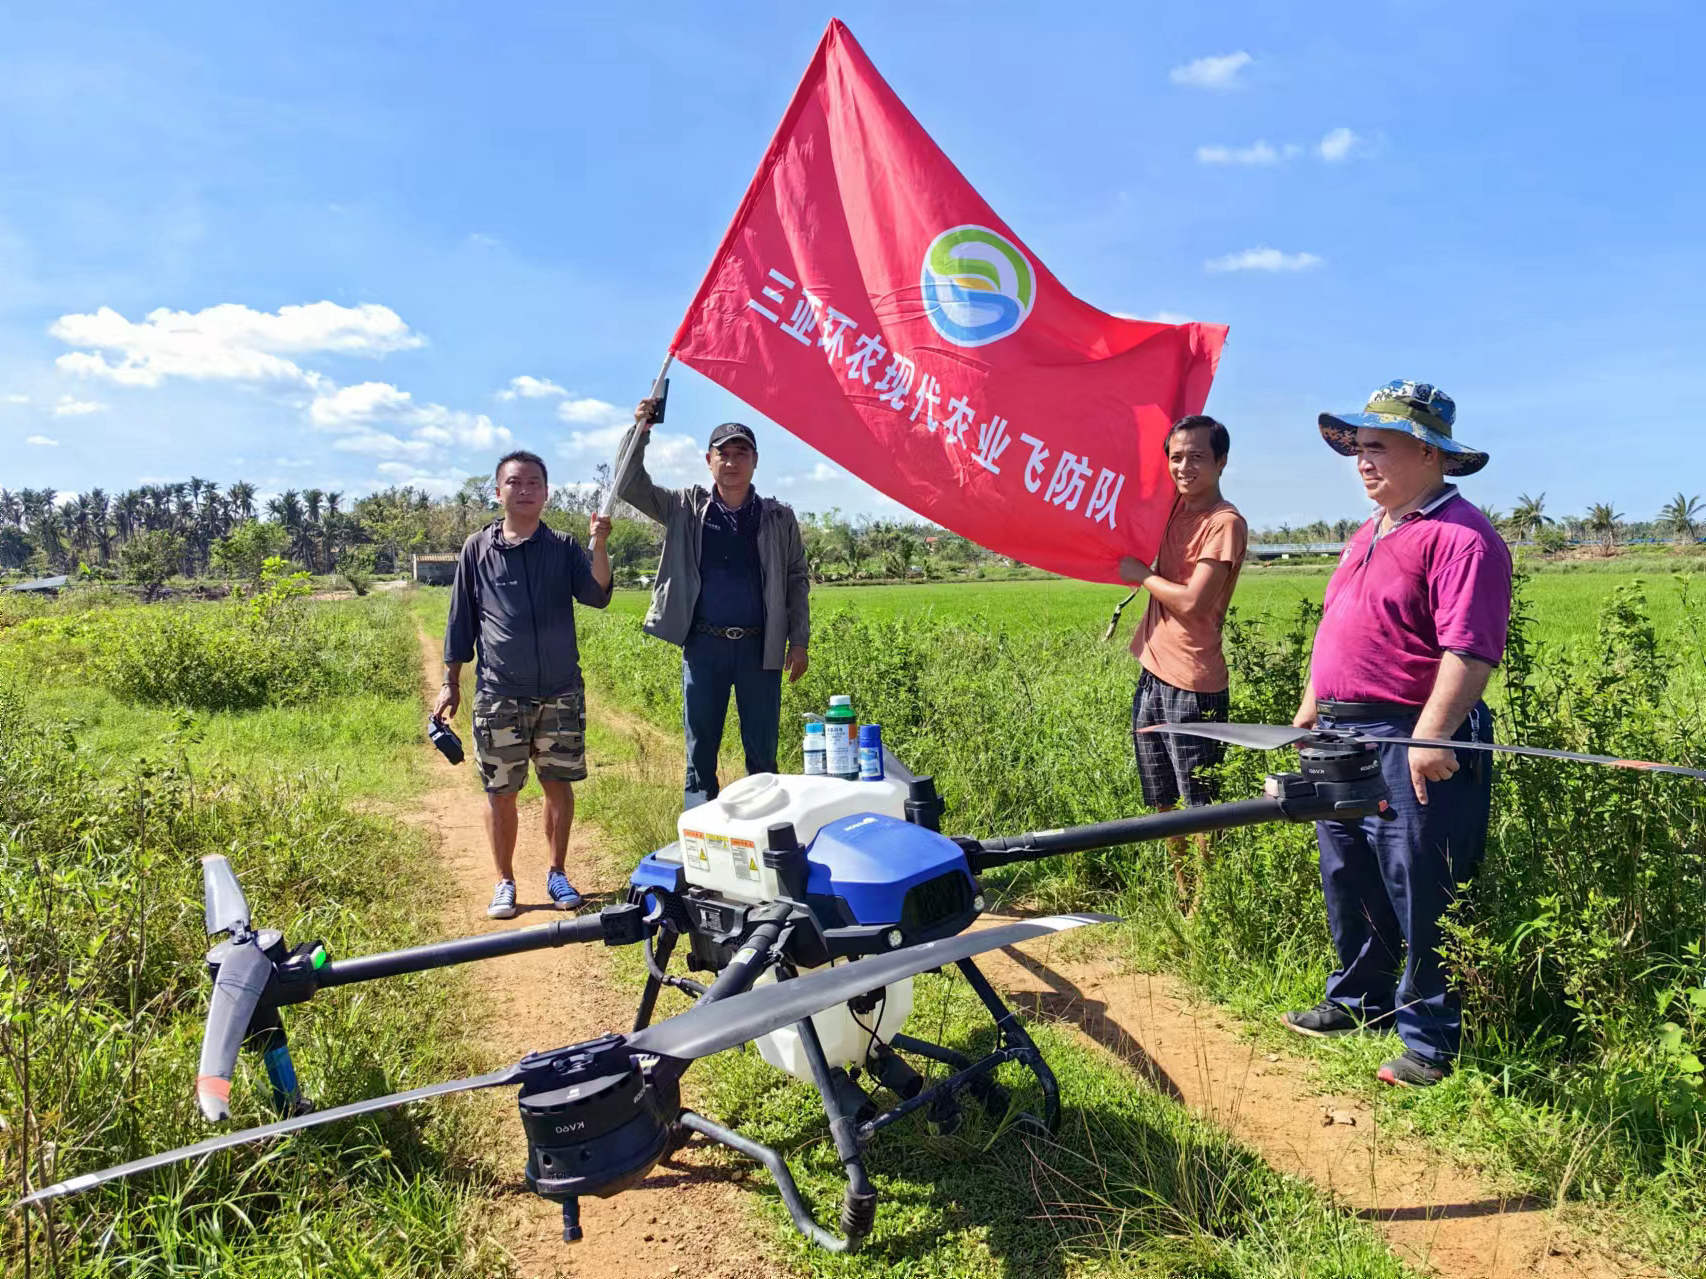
(1416, 409)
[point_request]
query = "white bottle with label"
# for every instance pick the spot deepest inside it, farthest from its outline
(815, 749)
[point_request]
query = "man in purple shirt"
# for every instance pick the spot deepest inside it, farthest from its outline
(1413, 624)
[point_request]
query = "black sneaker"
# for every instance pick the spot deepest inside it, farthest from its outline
(1410, 1071)
(1323, 1021)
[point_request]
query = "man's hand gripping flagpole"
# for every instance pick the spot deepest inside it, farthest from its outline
(625, 454)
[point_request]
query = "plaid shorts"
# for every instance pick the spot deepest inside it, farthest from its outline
(1167, 763)
(509, 731)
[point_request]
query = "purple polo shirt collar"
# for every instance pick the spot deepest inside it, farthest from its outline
(1438, 581)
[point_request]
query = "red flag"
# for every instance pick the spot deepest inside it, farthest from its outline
(866, 298)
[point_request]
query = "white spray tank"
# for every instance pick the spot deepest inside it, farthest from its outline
(723, 842)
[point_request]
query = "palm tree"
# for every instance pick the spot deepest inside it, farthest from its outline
(1603, 519)
(100, 511)
(128, 514)
(1529, 515)
(241, 497)
(49, 528)
(11, 508)
(80, 521)
(1495, 517)
(1683, 515)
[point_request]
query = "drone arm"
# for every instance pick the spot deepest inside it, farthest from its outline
(614, 926)
(989, 853)
(1290, 799)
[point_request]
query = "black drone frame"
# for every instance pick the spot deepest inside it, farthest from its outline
(599, 1115)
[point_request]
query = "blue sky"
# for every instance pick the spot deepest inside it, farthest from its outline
(1505, 199)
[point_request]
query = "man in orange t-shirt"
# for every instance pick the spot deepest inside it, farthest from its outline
(1184, 676)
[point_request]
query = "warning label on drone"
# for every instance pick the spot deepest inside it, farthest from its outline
(745, 854)
(693, 852)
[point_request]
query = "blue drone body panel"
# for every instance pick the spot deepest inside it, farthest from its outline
(870, 861)
(662, 869)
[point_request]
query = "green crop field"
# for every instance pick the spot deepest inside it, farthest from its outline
(1568, 603)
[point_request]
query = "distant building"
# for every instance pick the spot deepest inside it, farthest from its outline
(434, 570)
(52, 585)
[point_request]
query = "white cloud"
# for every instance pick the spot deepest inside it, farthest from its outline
(15, 399)
(1263, 259)
(70, 407)
(1340, 144)
(824, 471)
(228, 342)
(1258, 152)
(366, 409)
(337, 408)
(1212, 73)
(590, 412)
(382, 444)
(41, 441)
(441, 483)
(530, 388)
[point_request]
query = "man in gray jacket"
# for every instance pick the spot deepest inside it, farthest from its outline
(517, 582)
(732, 591)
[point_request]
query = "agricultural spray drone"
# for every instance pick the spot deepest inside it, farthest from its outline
(811, 903)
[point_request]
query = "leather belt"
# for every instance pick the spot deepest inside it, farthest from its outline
(728, 632)
(1364, 712)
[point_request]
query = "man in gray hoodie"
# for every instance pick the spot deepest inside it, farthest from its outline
(517, 581)
(733, 592)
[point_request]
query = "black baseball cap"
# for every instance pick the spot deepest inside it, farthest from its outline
(733, 431)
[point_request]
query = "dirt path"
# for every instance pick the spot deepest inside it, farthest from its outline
(549, 998)
(1435, 1216)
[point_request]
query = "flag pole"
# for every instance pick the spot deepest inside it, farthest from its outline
(625, 454)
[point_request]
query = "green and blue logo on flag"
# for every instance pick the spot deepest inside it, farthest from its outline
(977, 286)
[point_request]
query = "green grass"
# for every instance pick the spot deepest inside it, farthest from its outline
(103, 990)
(359, 742)
(1567, 600)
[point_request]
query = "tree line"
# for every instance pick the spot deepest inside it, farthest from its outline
(199, 528)
(1681, 520)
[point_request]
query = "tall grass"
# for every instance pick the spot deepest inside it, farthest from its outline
(103, 988)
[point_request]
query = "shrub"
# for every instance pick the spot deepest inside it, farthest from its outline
(270, 649)
(150, 558)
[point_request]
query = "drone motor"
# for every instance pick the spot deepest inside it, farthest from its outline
(596, 1120)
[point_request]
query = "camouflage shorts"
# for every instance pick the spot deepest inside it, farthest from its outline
(509, 731)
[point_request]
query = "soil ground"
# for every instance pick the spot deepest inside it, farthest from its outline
(1436, 1216)
(545, 999)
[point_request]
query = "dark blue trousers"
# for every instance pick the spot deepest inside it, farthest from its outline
(710, 668)
(1388, 884)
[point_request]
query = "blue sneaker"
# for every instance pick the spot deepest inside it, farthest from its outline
(563, 894)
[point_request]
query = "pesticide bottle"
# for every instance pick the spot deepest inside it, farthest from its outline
(816, 748)
(838, 725)
(870, 752)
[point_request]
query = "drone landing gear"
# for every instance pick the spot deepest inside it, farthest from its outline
(851, 1135)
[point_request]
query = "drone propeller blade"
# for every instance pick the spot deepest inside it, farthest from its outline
(1543, 752)
(710, 1028)
(243, 975)
(227, 908)
(76, 1185)
(1260, 737)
